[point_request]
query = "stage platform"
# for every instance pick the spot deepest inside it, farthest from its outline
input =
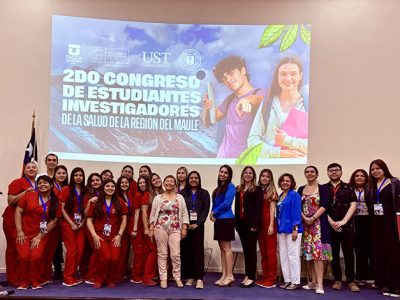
(127, 290)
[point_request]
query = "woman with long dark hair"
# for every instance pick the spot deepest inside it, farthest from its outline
(106, 221)
(284, 99)
(362, 232)
(267, 238)
(138, 239)
(316, 246)
(123, 188)
(197, 202)
(55, 246)
(248, 212)
(72, 224)
(87, 264)
(35, 218)
(149, 245)
(383, 204)
(60, 178)
(224, 222)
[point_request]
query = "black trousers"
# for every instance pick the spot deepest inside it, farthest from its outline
(363, 247)
(248, 239)
(192, 254)
(344, 239)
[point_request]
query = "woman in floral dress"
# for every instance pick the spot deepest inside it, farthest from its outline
(316, 246)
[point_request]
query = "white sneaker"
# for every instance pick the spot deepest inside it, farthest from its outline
(319, 290)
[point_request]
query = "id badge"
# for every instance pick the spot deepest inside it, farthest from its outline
(43, 227)
(193, 215)
(378, 209)
(77, 218)
(107, 229)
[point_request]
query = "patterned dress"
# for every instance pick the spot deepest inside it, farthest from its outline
(312, 247)
(168, 218)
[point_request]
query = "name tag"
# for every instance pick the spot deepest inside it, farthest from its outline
(43, 227)
(107, 229)
(193, 215)
(77, 218)
(378, 209)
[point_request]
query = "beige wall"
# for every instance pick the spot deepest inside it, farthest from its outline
(354, 71)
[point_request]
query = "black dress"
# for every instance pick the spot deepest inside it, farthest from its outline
(385, 240)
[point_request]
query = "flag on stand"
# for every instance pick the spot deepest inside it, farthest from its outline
(31, 147)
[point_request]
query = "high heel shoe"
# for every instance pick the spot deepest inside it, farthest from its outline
(227, 282)
(218, 282)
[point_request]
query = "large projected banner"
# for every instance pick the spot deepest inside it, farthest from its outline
(179, 93)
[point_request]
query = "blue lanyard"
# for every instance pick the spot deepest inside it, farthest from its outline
(194, 196)
(79, 200)
(44, 208)
(57, 186)
(359, 195)
(108, 209)
(378, 200)
(30, 183)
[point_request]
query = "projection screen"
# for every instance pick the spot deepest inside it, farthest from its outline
(126, 91)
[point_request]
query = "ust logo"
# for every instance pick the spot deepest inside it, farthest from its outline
(190, 59)
(74, 54)
(158, 59)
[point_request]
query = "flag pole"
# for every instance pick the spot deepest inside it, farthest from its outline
(33, 130)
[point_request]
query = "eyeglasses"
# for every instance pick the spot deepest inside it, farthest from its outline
(334, 170)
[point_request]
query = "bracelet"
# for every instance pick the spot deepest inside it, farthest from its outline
(119, 234)
(314, 218)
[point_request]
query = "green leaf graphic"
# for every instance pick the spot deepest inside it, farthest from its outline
(289, 37)
(250, 155)
(305, 34)
(270, 35)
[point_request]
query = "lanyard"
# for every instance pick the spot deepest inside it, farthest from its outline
(44, 208)
(57, 186)
(108, 209)
(79, 200)
(378, 200)
(359, 194)
(335, 190)
(30, 183)
(194, 196)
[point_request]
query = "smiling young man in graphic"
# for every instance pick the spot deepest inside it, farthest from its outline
(239, 107)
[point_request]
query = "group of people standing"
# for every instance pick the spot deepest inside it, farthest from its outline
(162, 221)
(316, 222)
